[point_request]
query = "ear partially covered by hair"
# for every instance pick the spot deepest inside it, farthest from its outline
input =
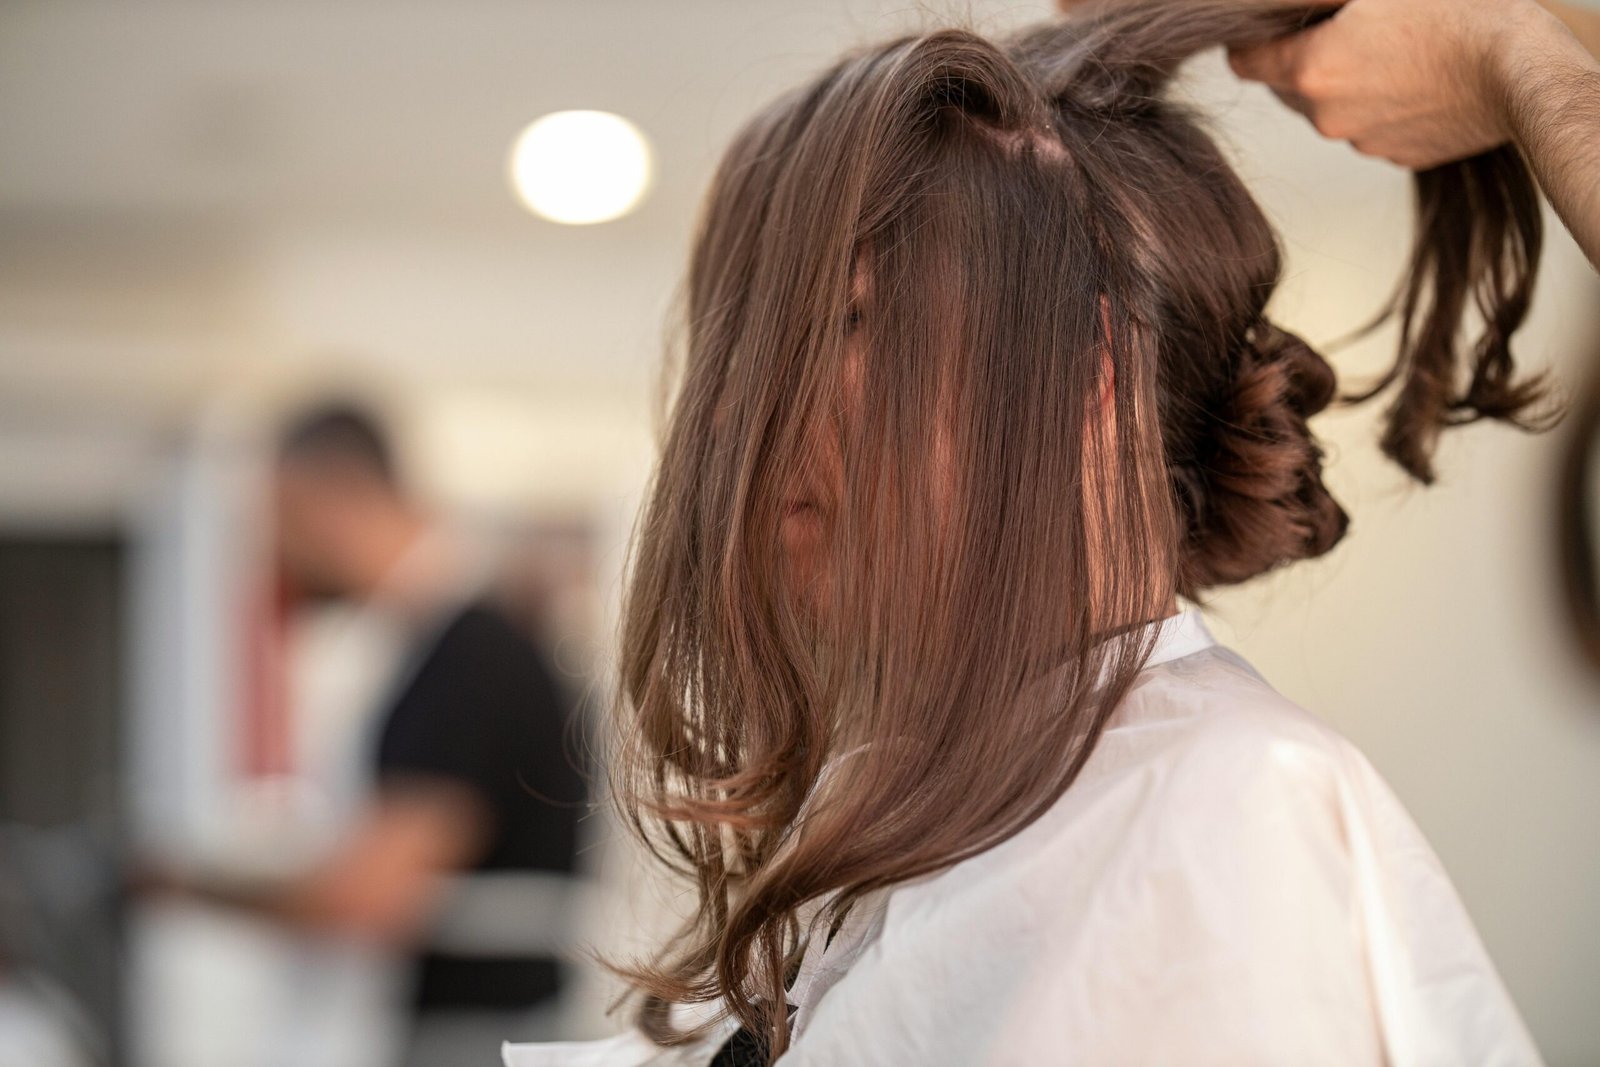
(1478, 236)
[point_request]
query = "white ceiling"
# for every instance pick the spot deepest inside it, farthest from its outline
(396, 111)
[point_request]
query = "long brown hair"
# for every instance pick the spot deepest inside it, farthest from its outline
(983, 320)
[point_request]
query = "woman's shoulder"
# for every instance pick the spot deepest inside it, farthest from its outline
(1204, 769)
(1211, 718)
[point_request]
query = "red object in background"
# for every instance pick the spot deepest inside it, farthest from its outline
(266, 748)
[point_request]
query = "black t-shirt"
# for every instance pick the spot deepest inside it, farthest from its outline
(483, 708)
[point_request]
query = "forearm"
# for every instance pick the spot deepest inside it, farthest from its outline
(282, 899)
(1551, 88)
(384, 881)
(319, 902)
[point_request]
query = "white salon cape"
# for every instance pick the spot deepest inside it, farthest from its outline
(1228, 882)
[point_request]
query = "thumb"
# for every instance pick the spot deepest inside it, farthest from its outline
(1276, 63)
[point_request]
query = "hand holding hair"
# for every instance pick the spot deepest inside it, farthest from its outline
(1428, 82)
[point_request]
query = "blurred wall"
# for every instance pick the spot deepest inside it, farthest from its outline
(206, 203)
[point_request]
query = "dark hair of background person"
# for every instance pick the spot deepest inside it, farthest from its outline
(1042, 227)
(344, 432)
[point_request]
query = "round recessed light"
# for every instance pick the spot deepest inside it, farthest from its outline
(580, 167)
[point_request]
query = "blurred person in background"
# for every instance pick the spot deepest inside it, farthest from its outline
(474, 769)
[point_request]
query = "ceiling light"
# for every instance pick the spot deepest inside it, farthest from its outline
(580, 167)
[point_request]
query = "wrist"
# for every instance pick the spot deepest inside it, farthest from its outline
(1524, 37)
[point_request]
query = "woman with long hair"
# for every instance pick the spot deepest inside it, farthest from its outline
(976, 386)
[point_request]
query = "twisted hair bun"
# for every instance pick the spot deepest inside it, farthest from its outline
(1251, 488)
